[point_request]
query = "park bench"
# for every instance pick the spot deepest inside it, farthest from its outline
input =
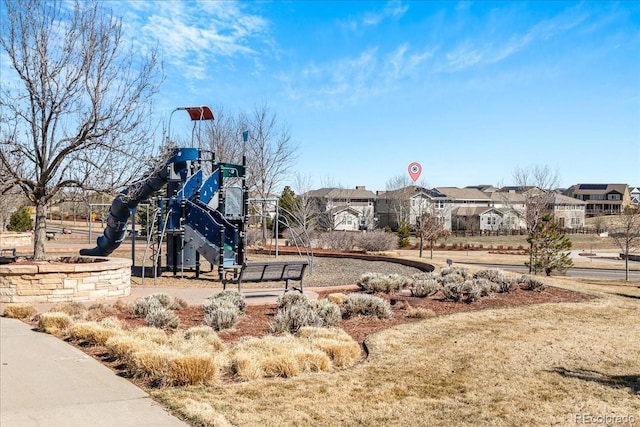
(7, 255)
(278, 271)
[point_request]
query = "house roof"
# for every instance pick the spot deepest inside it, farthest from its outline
(411, 191)
(342, 193)
(463, 193)
(507, 197)
(561, 199)
(344, 208)
(598, 188)
(473, 211)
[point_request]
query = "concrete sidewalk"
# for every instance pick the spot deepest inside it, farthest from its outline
(46, 382)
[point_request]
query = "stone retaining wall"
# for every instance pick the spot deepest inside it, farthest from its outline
(14, 240)
(65, 282)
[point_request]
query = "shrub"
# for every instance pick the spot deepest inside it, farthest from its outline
(20, 311)
(378, 282)
(378, 240)
(54, 322)
(291, 319)
(220, 313)
(340, 240)
(466, 292)
(296, 311)
(424, 285)
(458, 273)
(234, 297)
(20, 220)
(329, 312)
(492, 274)
(144, 305)
(162, 317)
(291, 298)
(366, 305)
(531, 284)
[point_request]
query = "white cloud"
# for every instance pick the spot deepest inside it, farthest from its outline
(195, 35)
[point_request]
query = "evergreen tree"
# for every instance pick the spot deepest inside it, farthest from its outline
(403, 235)
(288, 204)
(20, 220)
(549, 248)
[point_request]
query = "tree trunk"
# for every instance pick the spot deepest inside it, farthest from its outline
(421, 244)
(40, 231)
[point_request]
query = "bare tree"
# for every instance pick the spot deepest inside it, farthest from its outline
(397, 199)
(626, 234)
(270, 154)
(431, 228)
(222, 137)
(76, 106)
(536, 184)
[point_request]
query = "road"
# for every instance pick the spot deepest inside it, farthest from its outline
(590, 273)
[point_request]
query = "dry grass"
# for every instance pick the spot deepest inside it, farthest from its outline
(276, 356)
(192, 369)
(20, 311)
(534, 365)
(93, 333)
(54, 322)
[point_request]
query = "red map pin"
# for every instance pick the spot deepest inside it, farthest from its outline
(415, 170)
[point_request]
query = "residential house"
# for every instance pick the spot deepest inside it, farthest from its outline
(635, 196)
(409, 204)
(345, 209)
(479, 218)
(602, 199)
(461, 219)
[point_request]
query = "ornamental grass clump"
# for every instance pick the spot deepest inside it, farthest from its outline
(220, 313)
(94, 333)
(276, 356)
(20, 311)
(424, 285)
(372, 283)
(336, 343)
(500, 282)
(54, 322)
(191, 369)
(357, 304)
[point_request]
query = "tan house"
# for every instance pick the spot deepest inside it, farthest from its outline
(601, 199)
(409, 204)
(568, 212)
(345, 209)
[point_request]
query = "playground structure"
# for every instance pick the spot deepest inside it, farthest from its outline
(200, 215)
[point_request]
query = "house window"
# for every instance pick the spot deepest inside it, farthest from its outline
(575, 221)
(491, 220)
(596, 197)
(440, 204)
(349, 220)
(613, 197)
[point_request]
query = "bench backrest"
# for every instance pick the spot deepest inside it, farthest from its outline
(273, 271)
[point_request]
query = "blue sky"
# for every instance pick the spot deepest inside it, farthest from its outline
(471, 90)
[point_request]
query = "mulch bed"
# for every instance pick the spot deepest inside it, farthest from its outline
(255, 322)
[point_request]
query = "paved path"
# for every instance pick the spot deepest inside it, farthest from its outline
(46, 382)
